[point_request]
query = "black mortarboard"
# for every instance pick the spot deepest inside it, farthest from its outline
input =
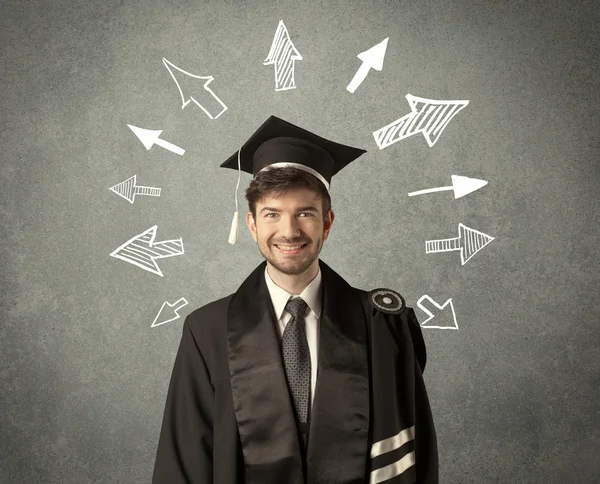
(279, 143)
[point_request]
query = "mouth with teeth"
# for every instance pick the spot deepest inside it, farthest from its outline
(290, 249)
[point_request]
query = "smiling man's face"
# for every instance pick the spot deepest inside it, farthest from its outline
(290, 230)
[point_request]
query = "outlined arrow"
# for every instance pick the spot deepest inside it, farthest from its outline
(461, 185)
(427, 116)
(469, 242)
(128, 189)
(371, 59)
(283, 54)
(439, 310)
(202, 99)
(167, 310)
(150, 137)
(142, 251)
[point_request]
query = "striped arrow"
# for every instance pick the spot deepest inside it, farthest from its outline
(284, 55)
(469, 242)
(128, 189)
(427, 116)
(142, 251)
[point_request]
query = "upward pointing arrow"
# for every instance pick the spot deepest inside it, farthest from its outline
(284, 55)
(372, 59)
(461, 185)
(150, 137)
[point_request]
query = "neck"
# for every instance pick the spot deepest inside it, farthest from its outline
(296, 283)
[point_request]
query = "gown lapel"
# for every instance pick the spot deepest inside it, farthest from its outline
(261, 399)
(339, 423)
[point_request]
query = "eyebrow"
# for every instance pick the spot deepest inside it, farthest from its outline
(308, 208)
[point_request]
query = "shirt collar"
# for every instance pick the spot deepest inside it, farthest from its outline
(280, 297)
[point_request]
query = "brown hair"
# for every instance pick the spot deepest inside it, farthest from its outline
(277, 181)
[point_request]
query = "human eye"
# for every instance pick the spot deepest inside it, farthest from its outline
(306, 213)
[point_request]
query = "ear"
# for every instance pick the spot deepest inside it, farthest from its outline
(251, 225)
(327, 223)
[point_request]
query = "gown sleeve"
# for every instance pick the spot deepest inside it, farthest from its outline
(185, 445)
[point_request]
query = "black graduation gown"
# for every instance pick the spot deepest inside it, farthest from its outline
(229, 418)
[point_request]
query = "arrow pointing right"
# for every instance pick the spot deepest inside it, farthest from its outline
(461, 185)
(469, 242)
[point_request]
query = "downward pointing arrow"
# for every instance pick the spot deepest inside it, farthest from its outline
(169, 312)
(372, 59)
(461, 185)
(439, 310)
(150, 137)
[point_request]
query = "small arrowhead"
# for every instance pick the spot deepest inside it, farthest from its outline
(463, 185)
(373, 57)
(147, 136)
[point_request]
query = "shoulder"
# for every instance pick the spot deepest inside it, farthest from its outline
(383, 300)
(207, 318)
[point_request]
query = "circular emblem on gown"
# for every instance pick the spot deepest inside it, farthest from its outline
(387, 301)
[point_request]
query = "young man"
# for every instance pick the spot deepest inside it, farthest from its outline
(297, 377)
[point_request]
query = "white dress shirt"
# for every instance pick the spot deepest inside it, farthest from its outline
(312, 297)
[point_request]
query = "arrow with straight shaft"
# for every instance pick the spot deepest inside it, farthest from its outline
(461, 185)
(169, 312)
(129, 188)
(371, 59)
(468, 242)
(150, 137)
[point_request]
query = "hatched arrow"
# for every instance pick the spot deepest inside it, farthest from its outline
(441, 312)
(284, 55)
(461, 185)
(169, 312)
(128, 189)
(142, 251)
(206, 99)
(150, 137)
(371, 59)
(468, 242)
(427, 116)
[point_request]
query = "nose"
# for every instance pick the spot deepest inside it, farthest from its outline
(289, 228)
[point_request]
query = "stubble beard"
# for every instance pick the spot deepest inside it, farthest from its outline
(295, 269)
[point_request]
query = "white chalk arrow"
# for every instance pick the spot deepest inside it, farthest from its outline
(128, 189)
(150, 137)
(461, 185)
(284, 55)
(445, 308)
(371, 59)
(208, 101)
(428, 116)
(142, 251)
(169, 312)
(468, 242)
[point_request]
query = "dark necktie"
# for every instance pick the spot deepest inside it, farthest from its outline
(296, 358)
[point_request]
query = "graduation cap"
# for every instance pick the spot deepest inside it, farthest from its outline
(278, 143)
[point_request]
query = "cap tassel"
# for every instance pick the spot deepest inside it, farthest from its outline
(233, 233)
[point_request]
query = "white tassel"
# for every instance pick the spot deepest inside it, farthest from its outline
(233, 233)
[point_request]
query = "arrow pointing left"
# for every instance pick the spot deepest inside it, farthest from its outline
(129, 188)
(142, 251)
(150, 137)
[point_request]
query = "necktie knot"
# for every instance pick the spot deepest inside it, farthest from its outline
(296, 307)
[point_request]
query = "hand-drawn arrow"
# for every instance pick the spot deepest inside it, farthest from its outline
(438, 310)
(169, 312)
(216, 104)
(150, 137)
(284, 55)
(427, 116)
(142, 251)
(461, 185)
(371, 59)
(469, 242)
(128, 189)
